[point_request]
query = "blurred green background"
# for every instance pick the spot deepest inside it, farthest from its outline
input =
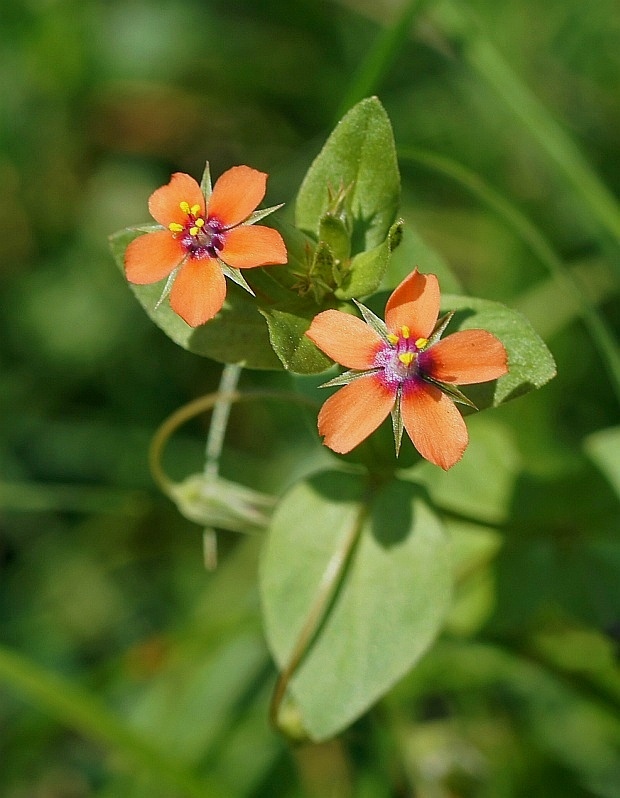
(164, 674)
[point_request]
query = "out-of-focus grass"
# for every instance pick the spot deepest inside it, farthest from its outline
(102, 583)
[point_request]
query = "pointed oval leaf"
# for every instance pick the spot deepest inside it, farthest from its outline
(388, 608)
(359, 155)
(530, 363)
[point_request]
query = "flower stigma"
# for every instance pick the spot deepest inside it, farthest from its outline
(397, 358)
(200, 237)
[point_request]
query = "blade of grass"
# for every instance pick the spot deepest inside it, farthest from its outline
(76, 708)
(373, 69)
(596, 325)
(488, 63)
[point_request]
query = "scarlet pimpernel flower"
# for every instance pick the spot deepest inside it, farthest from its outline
(204, 235)
(401, 366)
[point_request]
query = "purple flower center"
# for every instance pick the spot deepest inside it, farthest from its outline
(200, 237)
(398, 358)
(205, 241)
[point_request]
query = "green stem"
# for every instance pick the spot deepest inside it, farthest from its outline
(219, 420)
(373, 69)
(75, 708)
(599, 330)
(326, 590)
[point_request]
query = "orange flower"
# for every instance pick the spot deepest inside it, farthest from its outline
(402, 367)
(202, 238)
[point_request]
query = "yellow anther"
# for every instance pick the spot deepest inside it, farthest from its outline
(193, 231)
(200, 222)
(195, 209)
(421, 343)
(184, 206)
(393, 339)
(175, 227)
(405, 332)
(406, 358)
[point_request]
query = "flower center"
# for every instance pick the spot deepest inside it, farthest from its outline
(398, 357)
(200, 237)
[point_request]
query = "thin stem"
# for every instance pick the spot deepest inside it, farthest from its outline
(602, 335)
(219, 420)
(373, 69)
(326, 590)
(201, 405)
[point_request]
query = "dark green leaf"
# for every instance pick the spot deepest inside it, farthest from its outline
(530, 362)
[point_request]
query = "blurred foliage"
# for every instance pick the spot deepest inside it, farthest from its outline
(139, 673)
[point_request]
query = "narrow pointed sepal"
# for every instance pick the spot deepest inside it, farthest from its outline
(397, 424)
(260, 214)
(168, 286)
(377, 324)
(346, 377)
(205, 183)
(236, 276)
(450, 390)
(440, 327)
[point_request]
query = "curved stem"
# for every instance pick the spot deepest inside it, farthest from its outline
(326, 590)
(192, 409)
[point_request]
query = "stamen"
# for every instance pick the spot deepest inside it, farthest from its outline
(184, 206)
(193, 231)
(405, 331)
(195, 209)
(406, 358)
(200, 222)
(393, 339)
(175, 227)
(421, 343)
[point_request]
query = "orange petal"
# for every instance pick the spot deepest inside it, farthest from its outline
(198, 291)
(236, 194)
(414, 304)
(433, 423)
(465, 357)
(352, 413)
(346, 339)
(253, 245)
(151, 257)
(164, 203)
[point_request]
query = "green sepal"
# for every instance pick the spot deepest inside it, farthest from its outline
(333, 231)
(377, 324)
(205, 183)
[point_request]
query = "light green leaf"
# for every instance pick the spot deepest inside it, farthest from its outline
(389, 604)
(359, 155)
(238, 334)
(530, 363)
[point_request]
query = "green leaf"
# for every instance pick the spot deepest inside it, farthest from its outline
(530, 363)
(287, 335)
(238, 334)
(360, 156)
(390, 601)
(365, 272)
